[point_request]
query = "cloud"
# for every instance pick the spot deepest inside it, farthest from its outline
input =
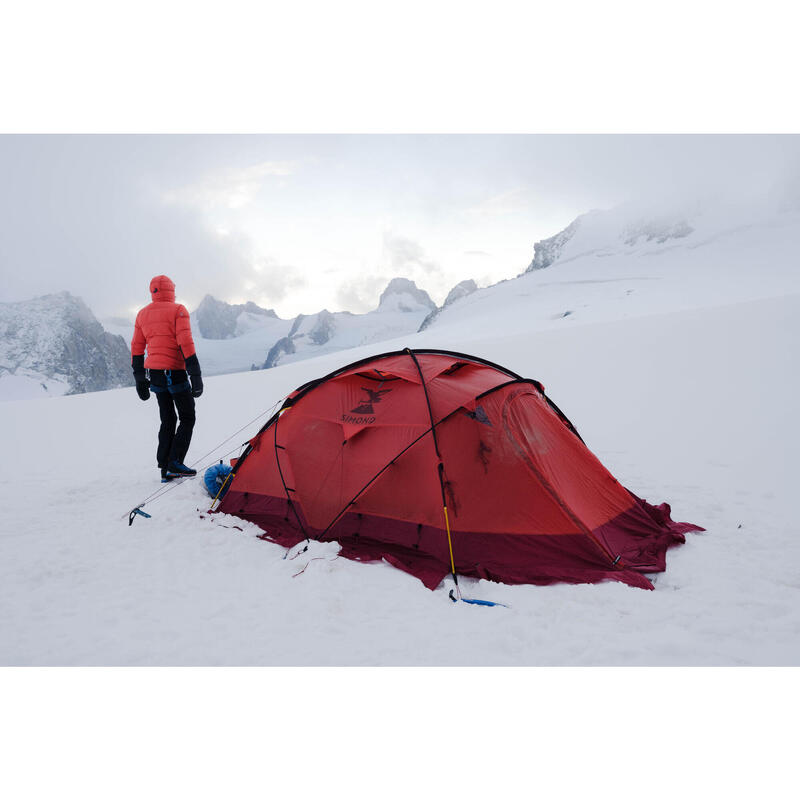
(406, 257)
(402, 258)
(360, 295)
(273, 281)
(509, 202)
(231, 188)
(83, 214)
(477, 253)
(234, 272)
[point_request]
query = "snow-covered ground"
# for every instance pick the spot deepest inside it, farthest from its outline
(677, 366)
(24, 385)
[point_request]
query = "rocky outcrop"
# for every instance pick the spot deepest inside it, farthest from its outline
(456, 293)
(460, 290)
(284, 345)
(657, 230)
(57, 338)
(547, 251)
(605, 233)
(323, 328)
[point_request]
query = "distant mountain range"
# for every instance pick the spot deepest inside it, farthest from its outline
(53, 345)
(232, 338)
(217, 320)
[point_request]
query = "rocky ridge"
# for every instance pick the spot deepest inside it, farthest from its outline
(54, 345)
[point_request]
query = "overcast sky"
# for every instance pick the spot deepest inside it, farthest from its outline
(300, 223)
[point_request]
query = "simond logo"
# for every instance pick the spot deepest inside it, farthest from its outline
(367, 406)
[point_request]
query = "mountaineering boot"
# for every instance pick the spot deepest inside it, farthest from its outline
(178, 470)
(165, 477)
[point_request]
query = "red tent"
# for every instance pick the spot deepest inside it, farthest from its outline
(433, 460)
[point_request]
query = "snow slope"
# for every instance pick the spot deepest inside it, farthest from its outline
(684, 386)
(604, 274)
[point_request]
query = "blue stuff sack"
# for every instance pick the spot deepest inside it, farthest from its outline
(214, 477)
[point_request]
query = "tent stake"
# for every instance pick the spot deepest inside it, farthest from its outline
(452, 561)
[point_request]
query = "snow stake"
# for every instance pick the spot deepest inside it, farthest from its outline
(134, 512)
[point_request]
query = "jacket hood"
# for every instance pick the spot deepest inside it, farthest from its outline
(162, 289)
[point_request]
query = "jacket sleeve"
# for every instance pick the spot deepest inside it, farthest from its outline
(183, 332)
(138, 342)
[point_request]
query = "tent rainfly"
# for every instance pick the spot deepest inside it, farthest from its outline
(440, 462)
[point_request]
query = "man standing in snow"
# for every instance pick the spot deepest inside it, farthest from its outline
(172, 372)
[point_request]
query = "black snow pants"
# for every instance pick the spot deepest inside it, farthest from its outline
(173, 444)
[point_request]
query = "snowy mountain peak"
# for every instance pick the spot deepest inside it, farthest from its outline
(460, 290)
(216, 319)
(53, 345)
(546, 251)
(324, 327)
(402, 294)
(618, 231)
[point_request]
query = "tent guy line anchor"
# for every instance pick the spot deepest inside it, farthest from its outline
(132, 514)
(173, 484)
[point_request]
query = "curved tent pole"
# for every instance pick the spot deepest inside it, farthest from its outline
(440, 468)
(283, 480)
(374, 478)
(306, 387)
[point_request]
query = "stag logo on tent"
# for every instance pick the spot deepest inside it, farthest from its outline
(479, 415)
(367, 406)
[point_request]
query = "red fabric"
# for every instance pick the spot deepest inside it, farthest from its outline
(352, 459)
(163, 328)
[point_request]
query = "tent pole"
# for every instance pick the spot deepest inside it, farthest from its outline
(450, 545)
(440, 468)
(225, 483)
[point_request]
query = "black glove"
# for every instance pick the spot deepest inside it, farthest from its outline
(143, 389)
(193, 370)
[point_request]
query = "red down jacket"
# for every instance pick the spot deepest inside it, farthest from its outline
(163, 328)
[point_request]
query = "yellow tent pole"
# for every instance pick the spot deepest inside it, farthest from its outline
(227, 478)
(441, 469)
(449, 542)
(450, 546)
